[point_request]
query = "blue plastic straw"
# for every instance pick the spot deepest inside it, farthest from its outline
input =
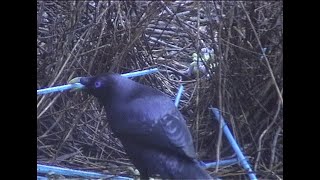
(226, 162)
(59, 88)
(45, 169)
(234, 145)
(71, 172)
(140, 73)
(78, 85)
(178, 97)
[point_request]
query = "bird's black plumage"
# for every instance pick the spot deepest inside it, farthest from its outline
(152, 130)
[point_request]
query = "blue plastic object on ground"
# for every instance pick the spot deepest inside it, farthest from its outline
(75, 173)
(233, 143)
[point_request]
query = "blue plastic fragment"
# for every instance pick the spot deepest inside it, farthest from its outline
(178, 97)
(234, 144)
(76, 173)
(226, 162)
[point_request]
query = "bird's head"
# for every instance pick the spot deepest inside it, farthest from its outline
(105, 87)
(97, 86)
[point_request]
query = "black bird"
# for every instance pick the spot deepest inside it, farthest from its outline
(151, 129)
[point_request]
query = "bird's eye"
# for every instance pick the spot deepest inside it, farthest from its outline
(97, 84)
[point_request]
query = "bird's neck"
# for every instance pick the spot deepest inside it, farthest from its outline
(122, 91)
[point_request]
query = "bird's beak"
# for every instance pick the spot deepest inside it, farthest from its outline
(82, 80)
(75, 80)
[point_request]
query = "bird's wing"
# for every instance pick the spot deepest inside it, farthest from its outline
(177, 132)
(156, 123)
